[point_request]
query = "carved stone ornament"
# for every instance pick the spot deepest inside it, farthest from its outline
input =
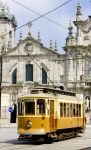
(86, 37)
(29, 47)
(86, 29)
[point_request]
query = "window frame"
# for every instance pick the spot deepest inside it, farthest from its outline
(14, 76)
(41, 110)
(44, 76)
(31, 101)
(29, 72)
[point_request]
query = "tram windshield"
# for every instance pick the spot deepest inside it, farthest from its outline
(30, 107)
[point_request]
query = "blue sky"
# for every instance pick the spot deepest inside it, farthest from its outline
(49, 31)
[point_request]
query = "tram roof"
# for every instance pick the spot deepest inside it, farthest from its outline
(49, 90)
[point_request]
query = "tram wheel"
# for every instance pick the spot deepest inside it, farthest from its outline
(47, 140)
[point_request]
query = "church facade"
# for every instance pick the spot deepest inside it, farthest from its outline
(29, 63)
(78, 58)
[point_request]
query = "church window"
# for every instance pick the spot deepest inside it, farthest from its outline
(14, 76)
(29, 72)
(44, 76)
(10, 33)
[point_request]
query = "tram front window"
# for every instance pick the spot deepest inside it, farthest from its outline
(30, 107)
(40, 106)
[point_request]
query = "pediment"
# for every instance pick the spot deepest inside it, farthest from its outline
(30, 47)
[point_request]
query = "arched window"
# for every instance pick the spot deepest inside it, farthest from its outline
(14, 76)
(29, 72)
(44, 76)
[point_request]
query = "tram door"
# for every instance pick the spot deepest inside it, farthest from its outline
(52, 121)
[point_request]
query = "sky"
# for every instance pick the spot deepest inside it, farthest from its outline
(48, 30)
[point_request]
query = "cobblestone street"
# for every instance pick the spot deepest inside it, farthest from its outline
(9, 136)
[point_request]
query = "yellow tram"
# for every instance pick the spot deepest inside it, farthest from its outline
(50, 113)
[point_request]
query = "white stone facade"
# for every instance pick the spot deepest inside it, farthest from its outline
(78, 58)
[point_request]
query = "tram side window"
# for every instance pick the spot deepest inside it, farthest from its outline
(61, 110)
(71, 113)
(30, 107)
(64, 109)
(48, 107)
(20, 108)
(40, 106)
(68, 110)
(74, 111)
(79, 110)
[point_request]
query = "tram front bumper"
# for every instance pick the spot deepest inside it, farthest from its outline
(32, 131)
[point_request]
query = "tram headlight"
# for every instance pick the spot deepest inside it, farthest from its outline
(29, 124)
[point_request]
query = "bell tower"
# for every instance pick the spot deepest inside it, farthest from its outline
(7, 37)
(8, 25)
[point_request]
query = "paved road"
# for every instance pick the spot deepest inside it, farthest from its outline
(8, 141)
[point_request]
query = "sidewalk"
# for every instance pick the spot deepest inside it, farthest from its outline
(11, 125)
(5, 123)
(88, 125)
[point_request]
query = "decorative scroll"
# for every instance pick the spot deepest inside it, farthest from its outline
(86, 29)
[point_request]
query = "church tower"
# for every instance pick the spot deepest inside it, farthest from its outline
(7, 37)
(8, 25)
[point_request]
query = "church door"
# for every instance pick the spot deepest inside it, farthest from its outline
(13, 114)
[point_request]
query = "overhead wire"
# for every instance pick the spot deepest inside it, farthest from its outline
(26, 7)
(44, 17)
(37, 18)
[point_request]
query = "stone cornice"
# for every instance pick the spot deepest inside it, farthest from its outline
(78, 23)
(76, 47)
(33, 56)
